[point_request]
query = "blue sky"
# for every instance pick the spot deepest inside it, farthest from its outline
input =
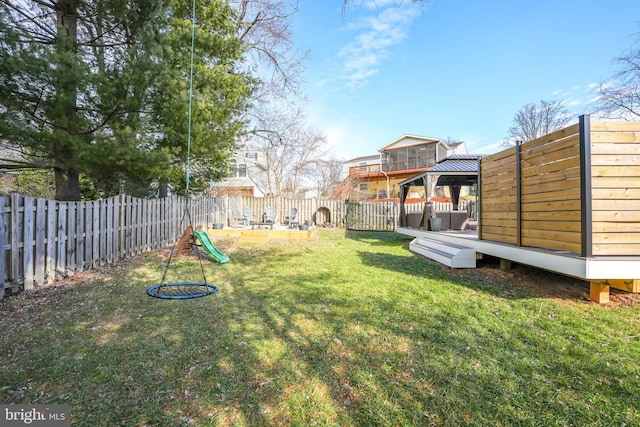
(455, 68)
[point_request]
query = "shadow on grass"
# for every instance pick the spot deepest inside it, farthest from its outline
(521, 281)
(380, 236)
(302, 335)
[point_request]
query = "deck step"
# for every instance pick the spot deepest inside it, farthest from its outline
(449, 254)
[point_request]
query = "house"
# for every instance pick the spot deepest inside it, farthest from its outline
(248, 175)
(377, 177)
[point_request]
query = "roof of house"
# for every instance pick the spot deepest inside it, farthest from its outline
(363, 158)
(455, 144)
(419, 140)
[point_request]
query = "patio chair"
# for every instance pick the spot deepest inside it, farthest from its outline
(270, 215)
(292, 218)
(245, 218)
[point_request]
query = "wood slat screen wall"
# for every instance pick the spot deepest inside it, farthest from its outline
(615, 178)
(550, 212)
(498, 208)
(550, 191)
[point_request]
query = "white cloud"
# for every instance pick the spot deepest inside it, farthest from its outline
(572, 102)
(486, 149)
(377, 34)
(376, 4)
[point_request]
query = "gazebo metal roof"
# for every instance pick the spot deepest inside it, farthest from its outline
(463, 166)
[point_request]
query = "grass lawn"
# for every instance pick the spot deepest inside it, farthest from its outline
(348, 330)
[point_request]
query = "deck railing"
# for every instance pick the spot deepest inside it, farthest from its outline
(575, 190)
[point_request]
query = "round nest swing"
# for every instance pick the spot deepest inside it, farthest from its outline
(182, 290)
(185, 290)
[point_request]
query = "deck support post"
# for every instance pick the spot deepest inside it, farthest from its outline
(505, 264)
(599, 293)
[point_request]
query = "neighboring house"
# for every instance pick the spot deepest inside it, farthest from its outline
(377, 177)
(248, 175)
(359, 162)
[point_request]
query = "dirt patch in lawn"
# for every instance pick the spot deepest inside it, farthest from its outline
(542, 283)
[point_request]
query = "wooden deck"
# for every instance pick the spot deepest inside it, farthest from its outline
(600, 271)
(568, 202)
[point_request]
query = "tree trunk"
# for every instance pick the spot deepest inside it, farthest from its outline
(65, 157)
(163, 190)
(68, 185)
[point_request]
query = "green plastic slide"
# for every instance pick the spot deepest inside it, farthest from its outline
(209, 247)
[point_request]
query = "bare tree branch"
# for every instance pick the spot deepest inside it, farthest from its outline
(620, 98)
(535, 120)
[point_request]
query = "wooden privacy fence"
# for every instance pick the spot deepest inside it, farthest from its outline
(574, 190)
(322, 211)
(44, 240)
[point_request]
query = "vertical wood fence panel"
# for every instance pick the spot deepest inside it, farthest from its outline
(80, 220)
(14, 232)
(50, 267)
(71, 235)
(28, 242)
(40, 241)
(61, 264)
(4, 210)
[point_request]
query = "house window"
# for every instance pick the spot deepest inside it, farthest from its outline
(407, 158)
(393, 160)
(423, 159)
(251, 155)
(431, 155)
(238, 170)
(412, 158)
(363, 186)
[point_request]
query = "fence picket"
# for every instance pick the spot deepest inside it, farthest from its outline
(109, 229)
(40, 238)
(50, 268)
(4, 201)
(71, 236)
(95, 257)
(27, 243)
(14, 230)
(61, 262)
(80, 236)
(88, 233)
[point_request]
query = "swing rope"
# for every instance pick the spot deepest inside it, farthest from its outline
(185, 290)
(193, 38)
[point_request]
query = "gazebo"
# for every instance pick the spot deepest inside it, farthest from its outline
(455, 172)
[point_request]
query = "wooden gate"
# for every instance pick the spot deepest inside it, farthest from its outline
(381, 216)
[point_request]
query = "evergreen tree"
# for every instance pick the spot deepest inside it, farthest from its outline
(220, 93)
(100, 87)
